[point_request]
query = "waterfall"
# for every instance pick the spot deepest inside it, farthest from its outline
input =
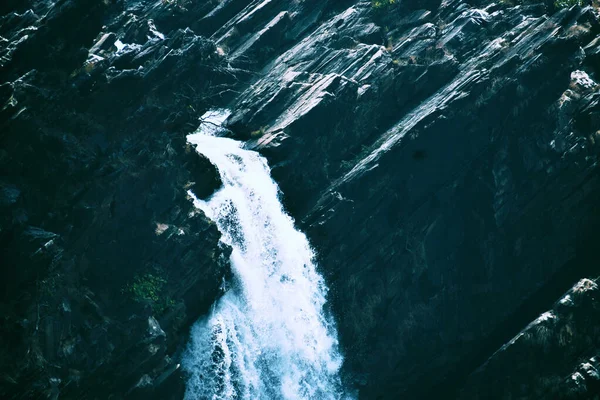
(268, 336)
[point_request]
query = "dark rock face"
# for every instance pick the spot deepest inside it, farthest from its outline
(95, 214)
(441, 156)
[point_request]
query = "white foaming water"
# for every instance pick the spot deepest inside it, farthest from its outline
(268, 336)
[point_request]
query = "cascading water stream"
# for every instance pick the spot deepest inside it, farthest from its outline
(268, 336)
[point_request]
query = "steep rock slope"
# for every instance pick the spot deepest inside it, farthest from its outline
(444, 158)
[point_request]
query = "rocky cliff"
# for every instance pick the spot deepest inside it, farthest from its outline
(441, 156)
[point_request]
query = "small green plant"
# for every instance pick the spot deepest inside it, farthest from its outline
(258, 133)
(150, 289)
(567, 3)
(382, 4)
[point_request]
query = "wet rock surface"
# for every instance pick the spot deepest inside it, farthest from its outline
(441, 156)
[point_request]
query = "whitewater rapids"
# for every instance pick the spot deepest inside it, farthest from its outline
(268, 337)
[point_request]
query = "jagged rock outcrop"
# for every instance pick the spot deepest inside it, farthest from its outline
(441, 156)
(555, 357)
